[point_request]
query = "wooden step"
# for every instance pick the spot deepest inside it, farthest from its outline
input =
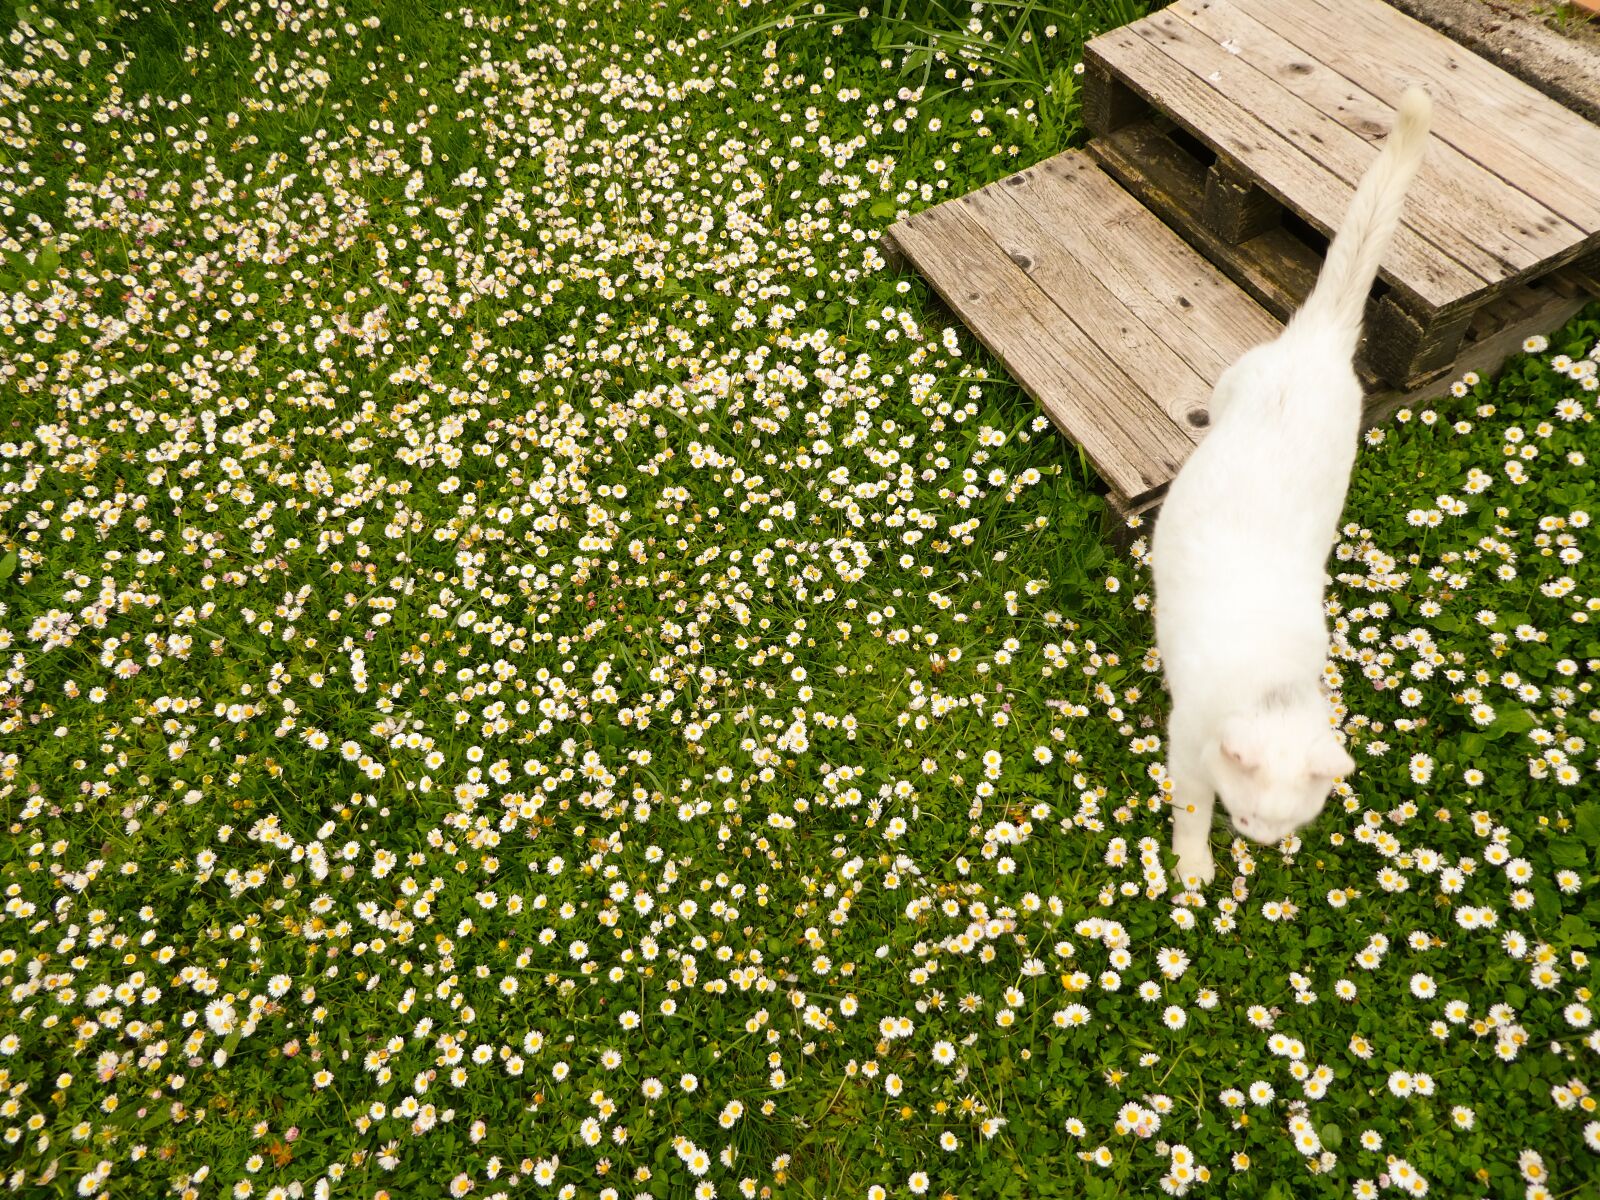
(1249, 122)
(1115, 325)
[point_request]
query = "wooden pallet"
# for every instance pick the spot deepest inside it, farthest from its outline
(1230, 134)
(1111, 322)
(1247, 123)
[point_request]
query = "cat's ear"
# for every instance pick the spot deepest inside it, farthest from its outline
(1330, 760)
(1241, 746)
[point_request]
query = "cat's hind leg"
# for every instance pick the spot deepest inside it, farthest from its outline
(1250, 379)
(1222, 394)
(1192, 802)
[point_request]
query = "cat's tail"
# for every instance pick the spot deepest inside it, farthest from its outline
(1340, 297)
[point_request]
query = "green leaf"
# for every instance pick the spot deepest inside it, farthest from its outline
(1513, 720)
(1587, 817)
(8, 566)
(1546, 903)
(1569, 854)
(1331, 1136)
(1576, 930)
(882, 208)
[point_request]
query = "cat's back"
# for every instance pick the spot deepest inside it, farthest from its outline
(1242, 540)
(1270, 476)
(1244, 495)
(1239, 587)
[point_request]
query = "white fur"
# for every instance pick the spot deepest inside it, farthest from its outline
(1241, 546)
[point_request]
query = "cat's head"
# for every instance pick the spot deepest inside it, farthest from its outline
(1274, 767)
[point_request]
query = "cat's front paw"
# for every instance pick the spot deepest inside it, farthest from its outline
(1195, 868)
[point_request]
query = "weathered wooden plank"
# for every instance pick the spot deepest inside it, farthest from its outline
(1130, 440)
(1027, 235)
(1200, 103)
(1496, 120)
(1574, 282)
(1583, 274)
(1114, 523)
(1276, 268)
(1538, 309)
(1159, 278)
(1493, 229)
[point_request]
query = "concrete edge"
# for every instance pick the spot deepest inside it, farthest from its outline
(1566, 70)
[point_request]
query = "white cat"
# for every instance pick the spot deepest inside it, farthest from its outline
(1242, 542)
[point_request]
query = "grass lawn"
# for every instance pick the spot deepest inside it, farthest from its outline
(536, 664)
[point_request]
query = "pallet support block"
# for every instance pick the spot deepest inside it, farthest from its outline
(1408, 347)
(1108, 103)
(1234, 208)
